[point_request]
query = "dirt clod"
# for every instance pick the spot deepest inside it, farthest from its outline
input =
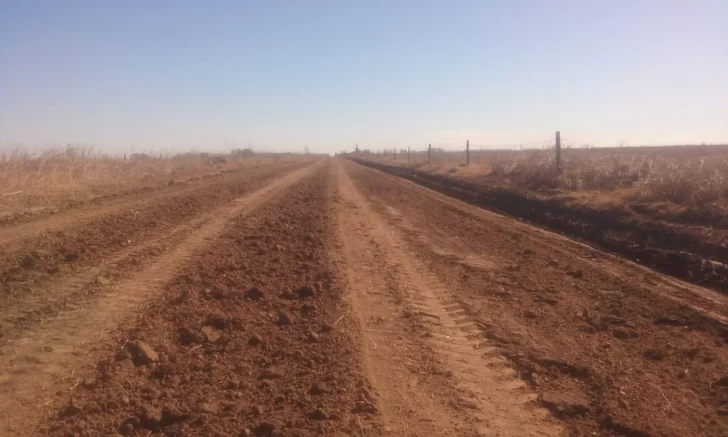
(209, 408)
(272, 373)
(318, 414)
(218, 293)
(29, 261)
(624, 334)
(304, 292)
(319, 388)
(186, 336)
(308, 310)
(530, 314)
(365, 406)
(126, 428)
(171, 415)
(254, 293)
(578, 274)
(256, 340)
(72, 257)
(150, 417)
(218, 321)
(142, 353)
(654, 354)
(565, 403)
(212, 335)
(92, 408)
(71, 409)
(285, 318)
(613, 320)
(670, 321)
(264, 429)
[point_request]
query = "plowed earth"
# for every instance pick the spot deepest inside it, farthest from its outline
(332, 299)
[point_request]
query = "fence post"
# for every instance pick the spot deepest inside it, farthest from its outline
(408, 151)
(429, 153)
(395, 153)
(558, 151)
(467, 152)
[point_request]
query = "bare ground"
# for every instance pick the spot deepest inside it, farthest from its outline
(688, 243)
(337, 300)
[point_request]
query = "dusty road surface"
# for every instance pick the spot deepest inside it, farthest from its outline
(325, 298)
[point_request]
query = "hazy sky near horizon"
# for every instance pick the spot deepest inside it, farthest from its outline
(284, 75)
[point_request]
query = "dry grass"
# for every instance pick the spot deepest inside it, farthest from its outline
(682, 175)
(35, 182)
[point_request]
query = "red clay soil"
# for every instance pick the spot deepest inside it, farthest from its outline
(611, 349)
(160, 185)
(245, 342)
(691, 246)
(36, 255)
(338, 300)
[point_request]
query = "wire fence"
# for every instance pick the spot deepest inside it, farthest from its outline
(551, 150)
(687, 174)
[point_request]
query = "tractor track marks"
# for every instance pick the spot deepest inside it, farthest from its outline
(473, 392)
(45, 359)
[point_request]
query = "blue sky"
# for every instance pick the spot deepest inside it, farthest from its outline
(284, 75)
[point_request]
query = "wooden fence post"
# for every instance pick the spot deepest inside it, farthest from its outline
(408, 153)
(467, 152)
(395, 153)
(558, 151)
(429, 153)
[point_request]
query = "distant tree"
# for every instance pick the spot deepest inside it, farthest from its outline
(243, 152)
(140, 157)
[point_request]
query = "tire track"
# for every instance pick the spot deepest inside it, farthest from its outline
(36, 270)
(558, 311)
(14, 231)
(16, 317)
(45, 360)
(707, 302)
(437, 244)
(485, 397)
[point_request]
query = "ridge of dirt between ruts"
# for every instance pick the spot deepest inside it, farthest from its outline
(434, 373)
(171, 186)
(71, 292)
(668, 248)
(42, 360)
(14, 234)
(37, 263)
(604, 354)
(244, 343)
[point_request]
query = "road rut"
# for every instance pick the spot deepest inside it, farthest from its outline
(44, 360)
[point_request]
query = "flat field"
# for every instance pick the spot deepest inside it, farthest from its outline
(316, 296)
(665, 207)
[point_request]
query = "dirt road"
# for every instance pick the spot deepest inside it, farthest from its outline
(332, 299)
